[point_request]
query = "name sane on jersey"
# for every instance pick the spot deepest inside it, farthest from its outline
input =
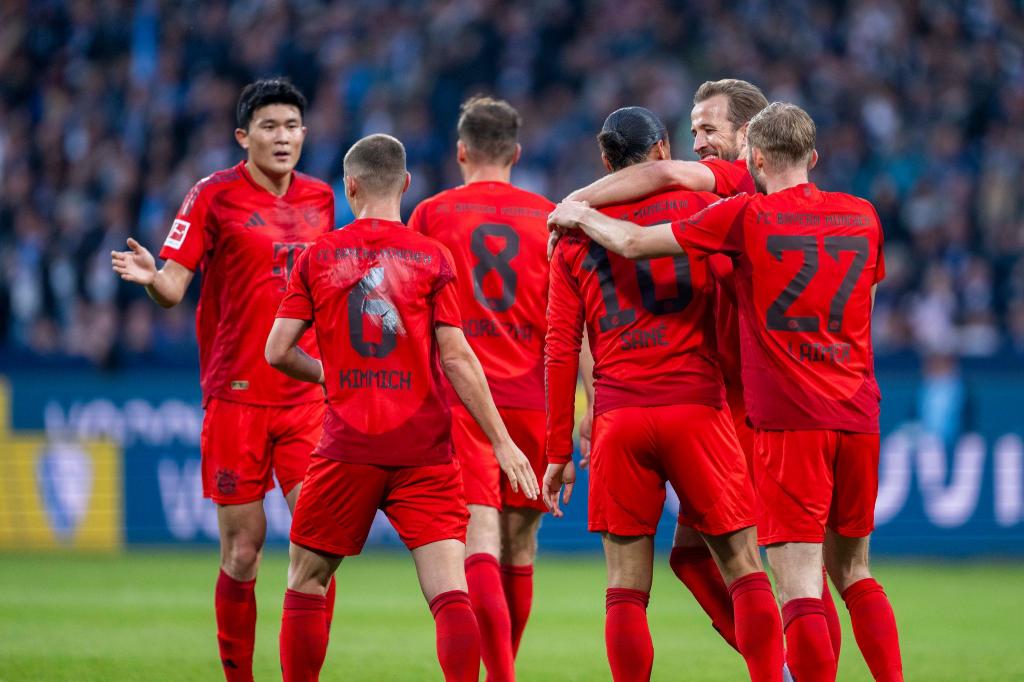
(636, 339)
(485, 327)
(838, 353)
(385, 379)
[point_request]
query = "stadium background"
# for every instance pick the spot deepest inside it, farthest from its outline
(110, 110)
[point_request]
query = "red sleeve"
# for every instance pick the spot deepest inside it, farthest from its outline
(562, 356)
(418, 219)
(187, 240)
(298, 300)
(445, 294)
(716, 229)
(880, 262)
(731, 177)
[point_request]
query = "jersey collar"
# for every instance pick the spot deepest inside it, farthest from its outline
(248, 178)
(805, 194)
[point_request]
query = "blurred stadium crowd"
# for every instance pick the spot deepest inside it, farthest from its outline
(110, 110)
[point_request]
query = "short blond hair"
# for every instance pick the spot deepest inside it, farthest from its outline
(378, 162)
(784, 133)
(490, 129)
(745, 98)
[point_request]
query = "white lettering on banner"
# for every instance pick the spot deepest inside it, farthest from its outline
(1008, 466)
(137, 421)
(893, 476)
(192, 517)
(952, 505)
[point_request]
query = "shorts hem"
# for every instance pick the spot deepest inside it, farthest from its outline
(780, 538)
(526, 504)
(633, 532)
(235, 501)
(485, 503)
(317, 546)
(422, 542)
(287, 489)
(855, 533)
(723, 530)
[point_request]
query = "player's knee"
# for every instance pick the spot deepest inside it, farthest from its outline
(241, 559)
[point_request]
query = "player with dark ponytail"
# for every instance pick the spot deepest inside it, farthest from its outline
(632, 135)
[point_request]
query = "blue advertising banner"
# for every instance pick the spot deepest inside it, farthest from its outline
(951, 475)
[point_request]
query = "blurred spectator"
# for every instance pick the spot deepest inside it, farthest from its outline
(110, 111)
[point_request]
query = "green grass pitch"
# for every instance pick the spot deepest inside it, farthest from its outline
(149, 616)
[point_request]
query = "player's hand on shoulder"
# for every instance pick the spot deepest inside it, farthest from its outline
(558, 474)
(567, 215)
(135, 265)
(518, 469)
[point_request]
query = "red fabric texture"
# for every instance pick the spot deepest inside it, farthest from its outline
(874, 627)
(695, 568)
(487, 594)
(235, 605)
(808, 645)
(758, 626)
(458, 637)
(627, 636)
(303, 638)
(518, 584)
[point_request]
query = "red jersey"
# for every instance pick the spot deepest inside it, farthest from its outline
(731, 177)
(497, 234)
(649, 323)
(374, 291)
(245, 241)
(806, 262)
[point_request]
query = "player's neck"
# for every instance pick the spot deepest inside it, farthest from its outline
(786, 179)
(276, 185)
(481, 173)
(380, 209)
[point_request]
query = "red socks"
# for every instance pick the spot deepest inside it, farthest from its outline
(808, 645)
(696, 569)
(458, 638)
(235, 604)
(758, 627)
(874, 627)
(626, 635)
(303, 636)
(518, 584)
(483, 576)
(835, 631)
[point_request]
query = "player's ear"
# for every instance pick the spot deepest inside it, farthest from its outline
(351, 186)
(757, 156)
(460, 151)
(242, 138)
(607, 164)
(518, 154)
(662, 151)
(813, 161)
(408, 181)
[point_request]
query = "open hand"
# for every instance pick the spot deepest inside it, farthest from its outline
(557, 475)
(518, 469)
(136, 265)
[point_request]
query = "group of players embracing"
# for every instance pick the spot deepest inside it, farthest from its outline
(730, 342)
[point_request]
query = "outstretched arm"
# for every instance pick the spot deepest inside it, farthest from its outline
(166, 286)
(463, 370)
(642, 179)
(626, 239)
(283, 353)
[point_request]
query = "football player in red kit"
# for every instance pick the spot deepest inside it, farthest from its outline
(244, 228)
(384, 301)
(807, 265)
(497, 235)
(659, 413)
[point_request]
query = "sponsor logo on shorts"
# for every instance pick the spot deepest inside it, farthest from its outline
(239, 385)
(177, 235)
(227, 481)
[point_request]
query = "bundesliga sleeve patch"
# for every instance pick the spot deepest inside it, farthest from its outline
(177, 235)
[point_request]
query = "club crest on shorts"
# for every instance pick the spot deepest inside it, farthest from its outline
(227, 481)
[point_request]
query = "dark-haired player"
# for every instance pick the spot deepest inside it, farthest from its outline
(807, 265)
(497, 235)
(659, 413)
(721, 112)
(244, 228)
(384, 300)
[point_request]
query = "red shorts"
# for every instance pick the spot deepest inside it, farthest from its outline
(244, 446)
(484, 481)
(693, 447)
(339, 500)
(807, 480)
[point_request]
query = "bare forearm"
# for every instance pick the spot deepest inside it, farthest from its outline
(467, 378)
(298, 364)
(167, 289)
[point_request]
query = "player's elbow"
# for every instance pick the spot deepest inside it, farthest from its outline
(455, 363)
(275, 353)
(632, 246)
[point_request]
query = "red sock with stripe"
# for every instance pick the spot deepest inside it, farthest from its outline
(235, 605)
(695, 568)
(835, 630)
(874, 628)
(626, 634)
(518, 584)
(303, 637)
(758, 626)
(483, 576)
(808, 645)
(458, 638)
